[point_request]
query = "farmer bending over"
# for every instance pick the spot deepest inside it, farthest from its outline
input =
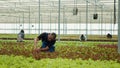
(109, 36)
(48, 41)
(20, 36)
(83, 37)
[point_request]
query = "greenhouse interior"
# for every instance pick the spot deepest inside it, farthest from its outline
(59, 33)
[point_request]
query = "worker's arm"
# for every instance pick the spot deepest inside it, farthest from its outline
(35, 42)
(37, 39)
(44, 49)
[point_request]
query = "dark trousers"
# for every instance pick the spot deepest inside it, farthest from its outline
(51, 48)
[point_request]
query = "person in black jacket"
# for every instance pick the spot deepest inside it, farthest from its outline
(20, 36)
(109, 36)
(48, 41)
(83, 37)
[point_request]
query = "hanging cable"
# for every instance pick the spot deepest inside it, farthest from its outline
(95, 15)
(75, 9)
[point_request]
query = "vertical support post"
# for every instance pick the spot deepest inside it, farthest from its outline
(15, 21)
(119, 26)
(19, 22)
(66, 25)
(101, 19)
(80, 14)
(87, 19)
(95, 6)
(50, 17)
(16, 26)
(39, 18)
(19, 17)
(114, 11)
(59, 21)
(111, 24)
(29, 19)
(64, 22)
(90, 31)
(55, 24)
(23, 20)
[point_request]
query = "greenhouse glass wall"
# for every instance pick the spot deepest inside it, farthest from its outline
(64, 17)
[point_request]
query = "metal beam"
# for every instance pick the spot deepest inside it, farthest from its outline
(59, 20)
(119, 27)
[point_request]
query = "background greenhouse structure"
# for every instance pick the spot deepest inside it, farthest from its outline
(69, 19)
(37, 16)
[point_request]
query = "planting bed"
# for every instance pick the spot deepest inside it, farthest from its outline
(22, 62)
(72, 37)
(95, 52)
(70, 54)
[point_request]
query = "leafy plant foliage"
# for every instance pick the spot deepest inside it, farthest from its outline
(99, 52)
(22, 62)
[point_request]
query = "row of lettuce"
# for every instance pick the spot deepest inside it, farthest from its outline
(23, 62)
(69, 54)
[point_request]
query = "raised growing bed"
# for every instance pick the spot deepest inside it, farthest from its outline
(67, 37)
(69, 51)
